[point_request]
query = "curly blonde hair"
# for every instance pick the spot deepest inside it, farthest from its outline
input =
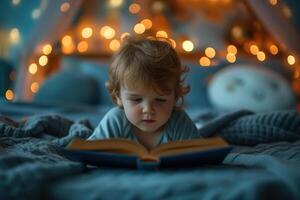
(148, 63)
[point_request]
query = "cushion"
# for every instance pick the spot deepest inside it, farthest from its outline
(253, 87)
(68, 88)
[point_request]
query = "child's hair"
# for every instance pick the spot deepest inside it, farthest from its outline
(147, 63)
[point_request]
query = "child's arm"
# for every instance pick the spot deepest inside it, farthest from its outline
(110, 126)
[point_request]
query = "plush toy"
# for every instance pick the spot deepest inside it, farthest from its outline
(256, 88)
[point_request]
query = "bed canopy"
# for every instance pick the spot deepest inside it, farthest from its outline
(62, 20)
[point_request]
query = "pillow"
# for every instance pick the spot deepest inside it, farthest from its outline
(68, 88)
(250, 87)
(97, 69)
(198, 78)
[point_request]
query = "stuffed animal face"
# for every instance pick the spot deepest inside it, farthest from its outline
(250, 87)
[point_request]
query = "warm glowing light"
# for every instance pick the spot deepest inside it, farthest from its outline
(9, 95)
(114, 45)
(68, 49)
(43, 60)
(115, 3)
(36, 13)
(124, 35)
(287, 11)
(254, 49)
(173, 43)
(87, 32)
(291, 60)
(210, 52)
(82, 46)
(230, 57)
(204, 61)
(47, 49)
(261, 56)
(66, 40)
(16, 2)
(147, 23)
(162, 34)
(32, 68)
(134, 8)
(158, 6)
(232, 49)
(139, 28)
(188, 45)
(34, 87)
(273, 49)
(273, 2)
(107, 32)
(237, 32)
(14, 36)
(65, 7)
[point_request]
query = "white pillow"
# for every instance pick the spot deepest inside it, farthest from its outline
(243, 86)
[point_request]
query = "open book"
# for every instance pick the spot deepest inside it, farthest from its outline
(127, 153)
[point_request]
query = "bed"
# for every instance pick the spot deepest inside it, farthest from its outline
(264, 163)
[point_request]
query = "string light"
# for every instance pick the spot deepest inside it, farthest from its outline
(204, 61)
(147, 23)
(232, 49)
(82, 46)
(291, 60)
(87, 32)
(162, 34)
(66, 40)
(43, 60)
(9, 94)
(210, 52)
(36, 13)
(254, 49)
(47, 49)
(107, 32)
(188, 45)
(14, 36)
(273, 2)
(114, 45)
(139, 28)
(65, 7)
(32, 68)
(273, 49)
(115, 3)
(261, 56)
(230, 57)
(134, 8)
(16, 2)
(34, 87)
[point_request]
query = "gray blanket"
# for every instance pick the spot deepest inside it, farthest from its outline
(29, 162)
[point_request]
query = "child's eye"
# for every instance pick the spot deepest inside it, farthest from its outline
(161, 100)
(136, 99)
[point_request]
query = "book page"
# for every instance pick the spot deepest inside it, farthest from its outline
(117, 145)
(186, 146)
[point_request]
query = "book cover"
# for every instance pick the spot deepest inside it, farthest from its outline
(128, 154)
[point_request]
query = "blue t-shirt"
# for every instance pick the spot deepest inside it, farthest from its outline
(116, 125)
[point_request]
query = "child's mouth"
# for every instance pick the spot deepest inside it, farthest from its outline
(148, 120)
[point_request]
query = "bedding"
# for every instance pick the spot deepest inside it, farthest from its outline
(264, 163)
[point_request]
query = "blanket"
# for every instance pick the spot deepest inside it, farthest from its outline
(29, 161)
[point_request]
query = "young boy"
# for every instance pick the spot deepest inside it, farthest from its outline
(145, 82)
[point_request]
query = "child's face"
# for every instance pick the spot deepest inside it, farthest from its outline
(145, 109)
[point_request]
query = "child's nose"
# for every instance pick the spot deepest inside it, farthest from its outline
(148, 107)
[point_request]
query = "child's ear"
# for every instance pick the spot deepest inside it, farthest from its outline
(119, 101)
